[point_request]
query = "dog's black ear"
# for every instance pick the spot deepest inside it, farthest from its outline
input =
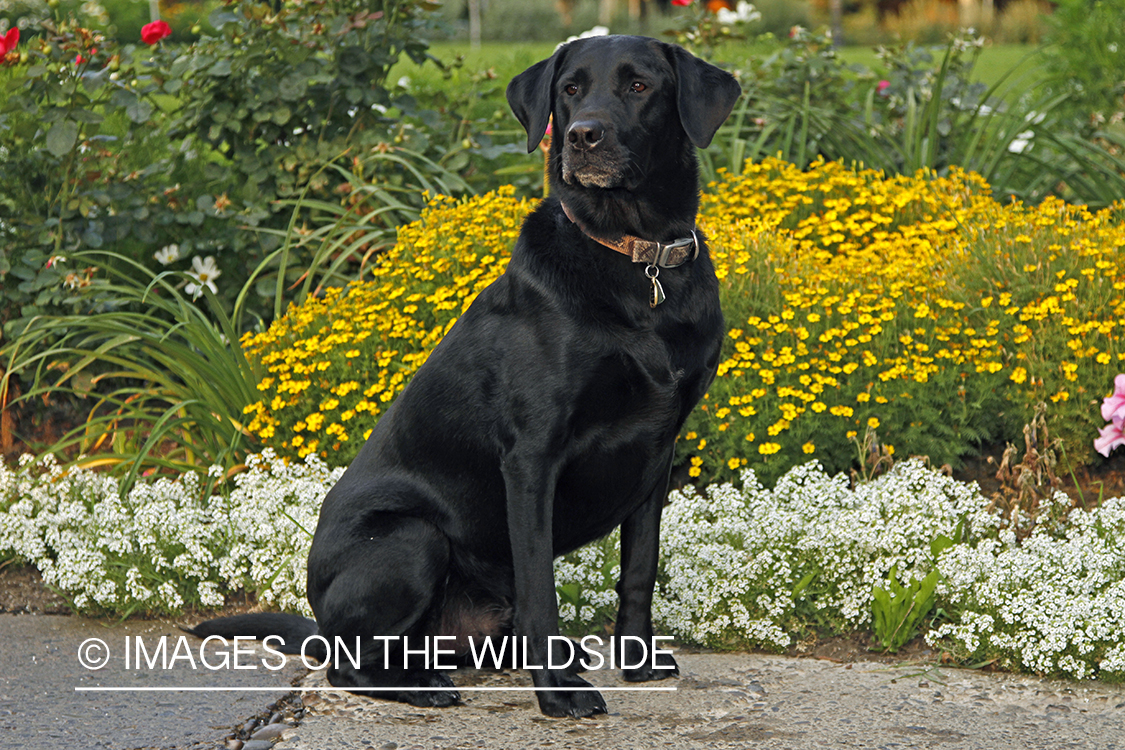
(530, 96)
(705, 95)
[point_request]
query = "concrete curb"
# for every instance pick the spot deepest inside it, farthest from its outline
(741, 701)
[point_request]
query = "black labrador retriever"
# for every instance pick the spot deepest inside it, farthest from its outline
(548, 415)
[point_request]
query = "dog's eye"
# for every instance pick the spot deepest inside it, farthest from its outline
(571, 89)
(638, 87)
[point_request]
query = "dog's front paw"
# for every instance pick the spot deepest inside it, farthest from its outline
(430, 698)
(665, 667)
(574, 703)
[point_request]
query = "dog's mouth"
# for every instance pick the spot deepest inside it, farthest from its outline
(579, 168)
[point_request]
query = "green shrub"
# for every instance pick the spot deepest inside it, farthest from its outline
(81, 158)
(182, 149)
(920, 108)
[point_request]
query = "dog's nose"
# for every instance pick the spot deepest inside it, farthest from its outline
(585, 134)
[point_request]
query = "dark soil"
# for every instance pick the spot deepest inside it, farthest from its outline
(29, 425)
(22, 591)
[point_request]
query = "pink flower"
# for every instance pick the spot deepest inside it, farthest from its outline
(9, 41)
(881, 87)
(1113, 407)
(682, 3)
(151, 33)
(1111, 437)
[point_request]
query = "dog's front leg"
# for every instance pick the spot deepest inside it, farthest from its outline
(530, 490)
(640, 552)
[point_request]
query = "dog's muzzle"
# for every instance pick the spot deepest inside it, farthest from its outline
(592, 157)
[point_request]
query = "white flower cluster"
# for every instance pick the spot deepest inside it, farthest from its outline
(751, 567)
(1052, 604)
(585, 581)
(739, 566)
(166, 542)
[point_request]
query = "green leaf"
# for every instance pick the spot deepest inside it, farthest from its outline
(292, 87)
(221, 17)
(220, 68)
(353, 60)
(940, 544)
(138, 111)
(85, 115)
(61, 137)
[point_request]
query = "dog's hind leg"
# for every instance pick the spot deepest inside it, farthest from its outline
(381, 581)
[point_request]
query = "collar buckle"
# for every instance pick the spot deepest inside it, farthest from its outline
(666, 254)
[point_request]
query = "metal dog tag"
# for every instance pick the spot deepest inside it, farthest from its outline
(657, 295)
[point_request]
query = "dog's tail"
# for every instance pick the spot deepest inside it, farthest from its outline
(293, 630)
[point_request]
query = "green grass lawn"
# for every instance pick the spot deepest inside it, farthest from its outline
(995, 61)
(506, 59)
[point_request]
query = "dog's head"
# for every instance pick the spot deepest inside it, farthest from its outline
(621, 105)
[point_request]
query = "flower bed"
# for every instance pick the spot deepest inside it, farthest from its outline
(166, 543)
(915, 307)
(740, 566)
(915, 312)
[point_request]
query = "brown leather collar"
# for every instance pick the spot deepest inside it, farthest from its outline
(663, 255)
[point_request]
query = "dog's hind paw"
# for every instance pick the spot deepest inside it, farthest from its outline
(665, 667)
(423, 688)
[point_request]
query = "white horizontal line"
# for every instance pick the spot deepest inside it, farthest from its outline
(359, 689)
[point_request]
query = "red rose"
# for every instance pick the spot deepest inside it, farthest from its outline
(682, 3)
(151, 33)
(9, 41)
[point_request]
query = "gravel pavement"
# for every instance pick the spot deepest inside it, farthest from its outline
(746, 701)
(720, 701)
(41, 710)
